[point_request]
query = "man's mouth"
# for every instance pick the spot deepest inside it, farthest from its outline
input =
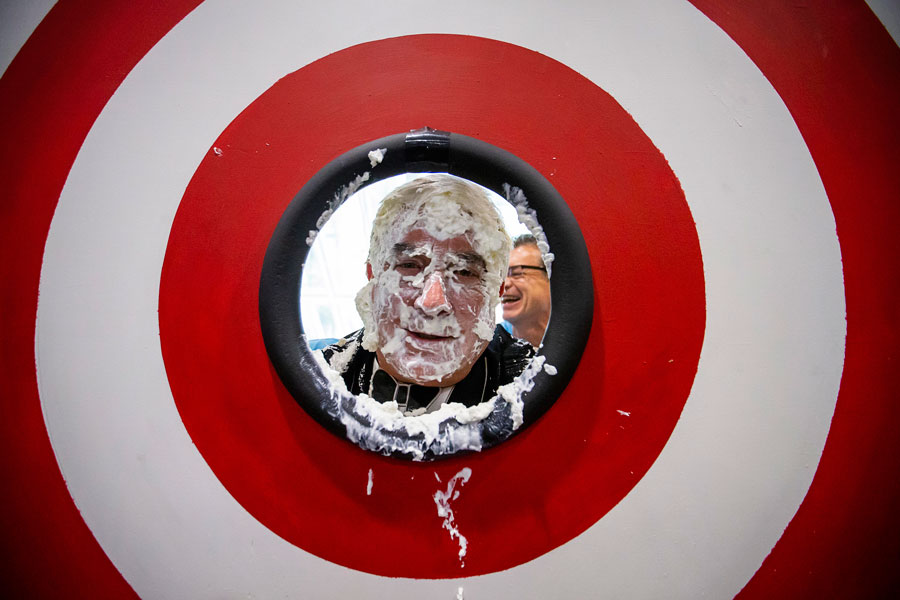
(510, 299)
(428, 337)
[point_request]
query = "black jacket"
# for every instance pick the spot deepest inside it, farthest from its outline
(503, 360)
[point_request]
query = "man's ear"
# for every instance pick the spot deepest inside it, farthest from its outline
(368, 271)
(502, 288)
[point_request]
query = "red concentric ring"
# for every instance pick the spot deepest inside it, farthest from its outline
(50, 96)
(527, 496)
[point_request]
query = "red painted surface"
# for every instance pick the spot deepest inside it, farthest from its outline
(49, 97)
(838, 72)
(552, 481)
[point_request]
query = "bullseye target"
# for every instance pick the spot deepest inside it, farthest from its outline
(692, 428)
(638, 342)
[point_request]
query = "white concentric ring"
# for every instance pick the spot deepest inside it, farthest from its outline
(740, 459)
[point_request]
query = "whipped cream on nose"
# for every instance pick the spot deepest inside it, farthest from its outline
(433, 301)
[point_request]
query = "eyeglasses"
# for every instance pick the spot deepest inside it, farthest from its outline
(518, 271)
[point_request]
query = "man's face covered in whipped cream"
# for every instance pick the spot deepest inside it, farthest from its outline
(436, 258)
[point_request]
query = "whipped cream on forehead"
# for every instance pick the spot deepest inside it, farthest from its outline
(445, 206)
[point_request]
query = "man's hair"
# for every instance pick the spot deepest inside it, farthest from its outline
(525, 239)
(450, 206)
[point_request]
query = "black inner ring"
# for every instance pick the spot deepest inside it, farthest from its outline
(424, 151)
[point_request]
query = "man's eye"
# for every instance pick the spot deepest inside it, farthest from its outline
(408, 265)
(466, 274)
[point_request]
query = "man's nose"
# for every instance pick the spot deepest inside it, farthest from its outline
(432, 300)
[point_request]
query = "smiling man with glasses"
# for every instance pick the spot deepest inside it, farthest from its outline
(526, 295)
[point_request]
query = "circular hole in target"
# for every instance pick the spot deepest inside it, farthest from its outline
(533, 384)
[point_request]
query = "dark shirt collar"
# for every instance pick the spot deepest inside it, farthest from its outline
(409, 396)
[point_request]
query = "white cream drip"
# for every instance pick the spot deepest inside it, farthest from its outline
(442, 500)
(340, 196)
(528, 217)
(384, 428)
